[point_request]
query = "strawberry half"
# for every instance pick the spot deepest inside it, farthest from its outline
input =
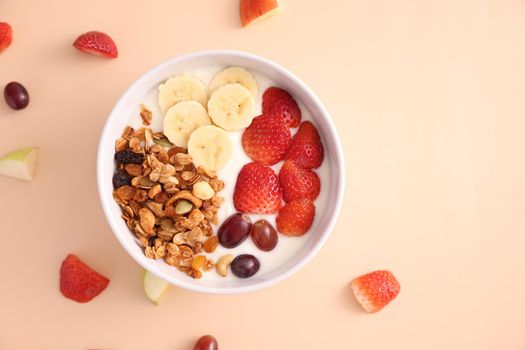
(97, 43)
(279, 102)
(298, 183)
(6, 36)
(306, 148)
(257, 190)
(375, 290)
(79, 282)
(266, 139)
(296, 217)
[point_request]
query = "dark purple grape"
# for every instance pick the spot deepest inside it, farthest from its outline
(127, 156)
(234, 230)
(16, 95)
(264, 235)
(245, 266)
(206, 342)
(121, 178)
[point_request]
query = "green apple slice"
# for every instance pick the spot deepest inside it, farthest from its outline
(154, 287)
(19, 164)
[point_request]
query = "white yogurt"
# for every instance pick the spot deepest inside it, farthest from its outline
(286, 247)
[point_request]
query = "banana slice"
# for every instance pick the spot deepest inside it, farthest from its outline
(182, 119)
(211, 147)
(232, 107)
(234, 75)
(181, 88)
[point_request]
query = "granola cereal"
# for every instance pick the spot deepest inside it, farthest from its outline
(170, 218)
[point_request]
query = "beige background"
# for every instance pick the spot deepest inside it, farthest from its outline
(428, 98)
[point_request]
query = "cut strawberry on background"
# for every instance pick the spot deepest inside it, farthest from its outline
(279, 102)
(6, 36)
(96, 43)
(298, 183)
(257, 190)
(296, 217)
(306, 149)
(79, 282)
(266, 140)
(375, 290)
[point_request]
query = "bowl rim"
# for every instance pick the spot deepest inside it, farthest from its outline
(140, 259)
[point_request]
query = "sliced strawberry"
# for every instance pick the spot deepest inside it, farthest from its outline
(296, 217)
(306, 148)
(6, 36)
(96, 43)
(79, 282)
(298, 183)
(257, 190)
(375, 290)
(266, 139)
(279, 102)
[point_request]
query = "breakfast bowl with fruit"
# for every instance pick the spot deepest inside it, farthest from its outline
(220, 172)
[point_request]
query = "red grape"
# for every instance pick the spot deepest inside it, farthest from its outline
(264, 235)
(245, 266)
(234, 230)
(206, 342)
(16, 95)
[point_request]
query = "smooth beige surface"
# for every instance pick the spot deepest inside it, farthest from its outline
(428, 98)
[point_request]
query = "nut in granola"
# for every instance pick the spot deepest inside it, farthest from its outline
(183, 207)
(203, 190)
(222, 265)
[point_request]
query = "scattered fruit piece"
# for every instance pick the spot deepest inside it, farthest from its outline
(245, 265)
(296, 217)
(210, 147)
(375, 290)
(182, 119)
(256, 10)
(264, 235)
(96, 43)
(6, 36)
(266, 140)
(232, 107)
(181, 88)
(306, 149)
(257, 190)
(234, 230)
(206, 342)
(154, 287)
(279, 102)
(234, 75)
(19, 164)
(16, 95)
(79, 282)
(298, 183)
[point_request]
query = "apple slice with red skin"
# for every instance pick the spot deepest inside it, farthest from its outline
(255, 10)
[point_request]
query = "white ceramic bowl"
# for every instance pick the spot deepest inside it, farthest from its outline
(127, 105)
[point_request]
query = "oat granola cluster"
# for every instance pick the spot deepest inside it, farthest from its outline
(167, 202)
